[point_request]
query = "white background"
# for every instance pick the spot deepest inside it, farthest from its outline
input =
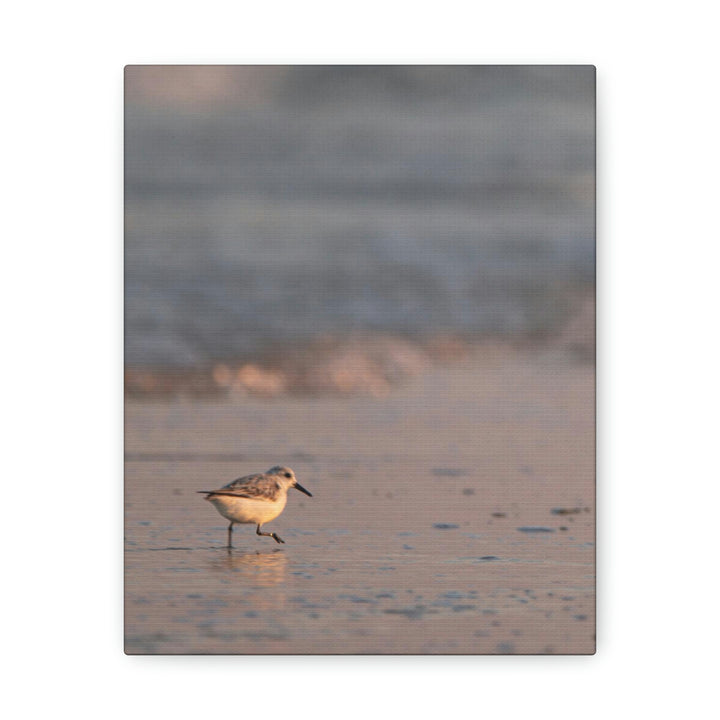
(61, 285)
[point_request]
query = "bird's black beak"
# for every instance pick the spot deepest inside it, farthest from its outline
(299, 487)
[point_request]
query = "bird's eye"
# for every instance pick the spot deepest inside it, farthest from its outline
(288, 475)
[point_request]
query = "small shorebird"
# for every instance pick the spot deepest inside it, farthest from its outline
(255, 499)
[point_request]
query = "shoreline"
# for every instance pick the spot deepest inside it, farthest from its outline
(455, 515)
(357, 363)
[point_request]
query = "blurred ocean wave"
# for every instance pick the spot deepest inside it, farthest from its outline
(271, 205)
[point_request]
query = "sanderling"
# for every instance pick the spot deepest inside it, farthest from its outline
(255, 499)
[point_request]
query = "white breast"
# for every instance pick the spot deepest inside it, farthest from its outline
(248, 510)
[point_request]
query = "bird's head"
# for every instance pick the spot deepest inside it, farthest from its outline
(287, 478)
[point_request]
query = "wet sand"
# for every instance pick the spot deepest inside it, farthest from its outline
(454, 515)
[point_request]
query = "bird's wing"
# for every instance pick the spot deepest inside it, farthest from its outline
(254, 486)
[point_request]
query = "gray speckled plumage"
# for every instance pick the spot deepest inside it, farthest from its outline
(260, 485)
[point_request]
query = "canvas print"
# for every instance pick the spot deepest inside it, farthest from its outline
(359, 360)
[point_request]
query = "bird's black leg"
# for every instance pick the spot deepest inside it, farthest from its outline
(230, 535)
(275, 537)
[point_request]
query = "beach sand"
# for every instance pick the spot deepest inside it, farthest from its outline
(454, 515)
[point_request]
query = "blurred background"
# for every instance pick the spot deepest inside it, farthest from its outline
(279, 212)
